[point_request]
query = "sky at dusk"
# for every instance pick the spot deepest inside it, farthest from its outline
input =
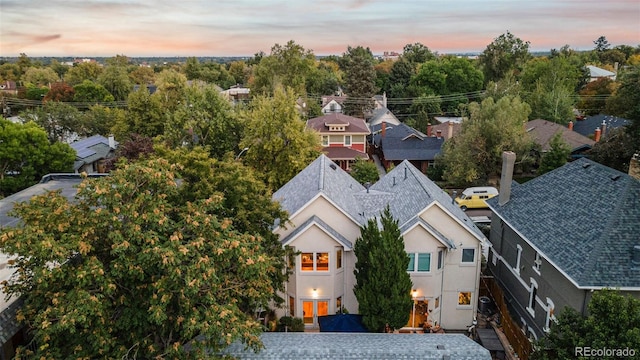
(84, 28)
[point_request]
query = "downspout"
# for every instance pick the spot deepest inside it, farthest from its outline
(441, 291)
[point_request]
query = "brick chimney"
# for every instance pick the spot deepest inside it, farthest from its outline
(570, 125)
(634, 166)
(450, 130)
(508, 162)
(429, 129)
(596, 135)
(383, 131)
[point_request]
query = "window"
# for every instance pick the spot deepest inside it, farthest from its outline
(436, 303)
(314, 261)
(533, 289)
(440, 259)
(292, 308)
(419, 262)
(550, 316)
(517, 266)
(347, 140)
(494, 257)
(468, 255)
(339, 259)
(537, 263)
(464, 298)
(325, 140)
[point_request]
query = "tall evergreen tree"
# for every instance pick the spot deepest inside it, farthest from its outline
(383, 285)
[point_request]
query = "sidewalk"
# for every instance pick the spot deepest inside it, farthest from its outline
(378, 163)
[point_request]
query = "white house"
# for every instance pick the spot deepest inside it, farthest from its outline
(327, 206)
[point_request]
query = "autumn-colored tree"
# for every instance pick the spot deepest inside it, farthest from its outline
(60, 91)
(278, 143)
(130, 269)
(593, 97)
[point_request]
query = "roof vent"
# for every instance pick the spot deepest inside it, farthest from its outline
(440, 347)
(635, 257)
(367, 185)
(405, 173)
(333, 166)
(584, 166)
(394, 181)
(615, 177)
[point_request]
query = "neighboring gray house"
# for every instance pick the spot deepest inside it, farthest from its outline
(394, 143)
(92, 152)
(557, 238)
(310, 346)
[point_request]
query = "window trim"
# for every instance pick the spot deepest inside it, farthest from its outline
(416, 263)
(315, 261)
(465, 306)
(472, 262)
(537, 263)
(533, 293)
(339, 258)
(347, 143)
(440, 262)
(518, 258)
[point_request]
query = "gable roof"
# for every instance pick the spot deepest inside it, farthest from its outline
(596, 72)
(91, 149)
(542, 131)
(352, 124)
(382, 114)
(315, 220)
(402, 142)
(588, 126)
(584, 218)
(406, 190)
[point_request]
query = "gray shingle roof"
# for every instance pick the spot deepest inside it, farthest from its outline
(363, 346)
(402, 142)
(583, 217)
(406, 196)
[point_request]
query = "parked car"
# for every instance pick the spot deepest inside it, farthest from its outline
(475, 197)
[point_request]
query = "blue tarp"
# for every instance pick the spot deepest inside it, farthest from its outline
(341, 323)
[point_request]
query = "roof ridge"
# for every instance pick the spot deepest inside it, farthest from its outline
(601, 242)
(321, 177)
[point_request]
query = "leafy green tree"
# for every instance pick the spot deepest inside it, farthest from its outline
(557, 155)
(204, 118)
(423, 109)
(91, 92)
(507, 86)
(59, 120)
(40, 76)
(192, 68)
(145, 115)
(324, 78)
(506, 54)
(287, 65)
(614, 150)
(278, 142)
(626, 103)
(492, 127)
(171, 85)
(102, 120)
(417, 53)
(364, 171)
(115, 79)
(60, 91)
(10, 72)
(240, 72)
(26, 155)
(142, 75)
(34, 92)
(593, 97)
(360, 81)
(383, 285)
(165, 274)
(59, 68)
(245, 199)
(613, 323)
(81, 72)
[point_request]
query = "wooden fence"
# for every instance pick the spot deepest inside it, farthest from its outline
(518, 340)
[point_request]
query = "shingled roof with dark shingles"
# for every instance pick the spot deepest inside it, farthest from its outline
(542, 131)
(583, 217)
(310, 346)
(402, 142)
(353, 124)
(587, 127)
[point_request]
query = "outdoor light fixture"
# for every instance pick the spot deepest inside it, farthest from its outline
(414, 293)
(314, 293)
